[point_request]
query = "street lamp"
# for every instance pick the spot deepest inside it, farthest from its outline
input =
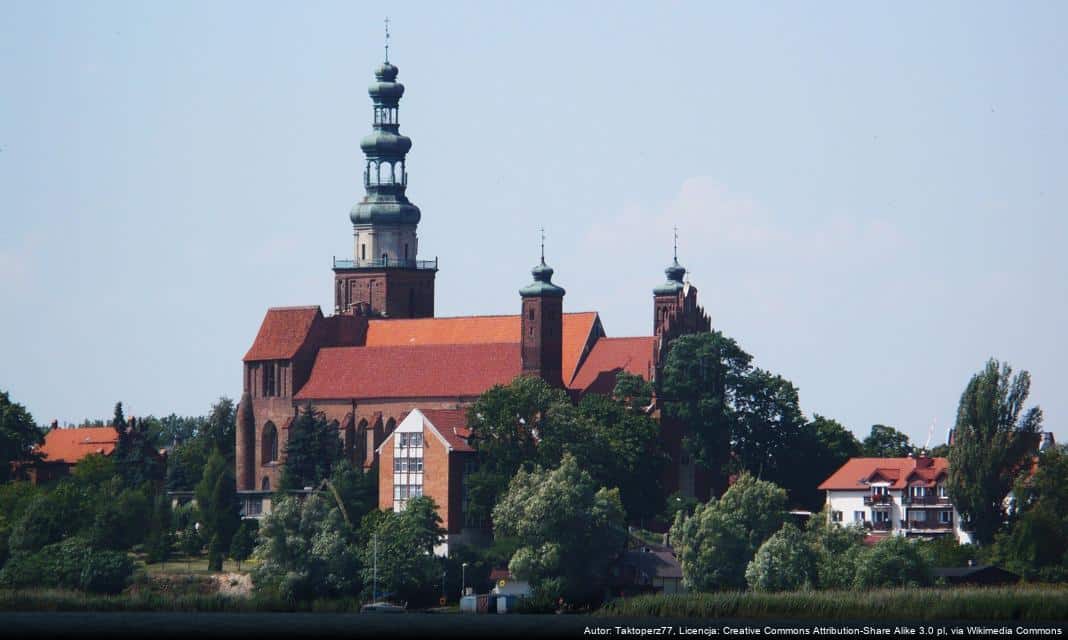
(463, 579)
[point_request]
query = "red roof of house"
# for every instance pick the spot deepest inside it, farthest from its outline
(452, 425)
(71, 445)
(608, 357)
(856, 473)
(282, 332)
(424, 371)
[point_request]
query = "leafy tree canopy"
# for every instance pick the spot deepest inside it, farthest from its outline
(313, 448)
(568, 529)
(887, 442)
(993, 441)
(18, 434)
(785, 562)
(399, 550)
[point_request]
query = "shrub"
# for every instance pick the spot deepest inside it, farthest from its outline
(785, 562)
(106, 572)
(894, 562)
(22, 570)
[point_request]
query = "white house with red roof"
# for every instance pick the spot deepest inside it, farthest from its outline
(894, 496)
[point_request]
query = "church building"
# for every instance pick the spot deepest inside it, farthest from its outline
(397, 380)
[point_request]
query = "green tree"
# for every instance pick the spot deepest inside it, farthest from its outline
(243, 543)
(1036, 545)
(838, 551)
(398, 557)
(992, 446)
(715, 544)
(887, 442)
(306, 551)
(122, 521)
(312, 450)
(18, 435)
(504, 421)
(785, 562)
(567, 528)
(216, 495)
(190, 543)
(50, 516)
(767, 427)
(823, 447)
(160, 538)
(94, 470)
(701, 375)
(135, 457)
(893, 562)
(356, 488)
(220, 428)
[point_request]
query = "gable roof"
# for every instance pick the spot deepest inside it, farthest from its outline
(608, 357)
(71, 445)
(424, 371)
(857, 473)
(479, 330)
(447, 424)
(282, 332)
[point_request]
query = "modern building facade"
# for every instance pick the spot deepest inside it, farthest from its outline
(397, 381)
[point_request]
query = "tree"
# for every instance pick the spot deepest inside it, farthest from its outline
(398, 558)
(160, 539)
(823, 447)
(893, 562)
(216, 496)
(18, 435)
(767, 426)
(785, 562)
(887, 442)
(135, 457)
(243, 543)
(94, 470)
(356, 488)
(716, 543)
(220, 428)
(992, 446)
(1036, 544)
(306, 551)
(838, 551)
(701, 374)
(312, 450)
(504, 423)
(567, 528)
(190, 542)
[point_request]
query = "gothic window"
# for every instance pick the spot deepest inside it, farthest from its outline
(363, 251)
(269, 388)
(266, 484)
(350, 440)
(269, 451)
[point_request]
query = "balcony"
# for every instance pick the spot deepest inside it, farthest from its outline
(388, 263)
(878, 499)
(927, 525)
(885, 525)
(923, 501)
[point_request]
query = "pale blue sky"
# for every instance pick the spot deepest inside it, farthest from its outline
(870, 196)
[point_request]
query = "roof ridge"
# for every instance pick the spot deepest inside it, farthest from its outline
(428, 345)
(298, 307)
(479, 315)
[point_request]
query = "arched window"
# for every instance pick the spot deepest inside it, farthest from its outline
(391, 424)
(386, 175)
(266, 484)
(269, 450)
(350, 440)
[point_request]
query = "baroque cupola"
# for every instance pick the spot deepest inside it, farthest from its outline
(385, 277)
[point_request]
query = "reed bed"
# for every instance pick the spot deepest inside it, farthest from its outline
(989, 603)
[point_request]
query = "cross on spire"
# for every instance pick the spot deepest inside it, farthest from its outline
(542, 245)
(387, 38)
(676, 247)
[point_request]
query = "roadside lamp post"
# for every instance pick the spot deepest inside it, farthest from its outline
(463, 579)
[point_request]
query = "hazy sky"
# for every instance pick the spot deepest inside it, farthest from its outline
(870, 196)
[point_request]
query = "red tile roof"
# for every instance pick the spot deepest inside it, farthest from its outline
(71, 445)
(452, 425)
(282, 332)
(899, 472)
(479, 330)
(424, 371)
(608, 357)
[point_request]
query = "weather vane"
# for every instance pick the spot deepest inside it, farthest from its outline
(387, 38)
(676, 249)
(542, 244)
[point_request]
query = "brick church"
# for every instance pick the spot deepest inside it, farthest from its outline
(396, 380)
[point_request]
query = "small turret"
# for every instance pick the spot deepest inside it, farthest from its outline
(542, 324)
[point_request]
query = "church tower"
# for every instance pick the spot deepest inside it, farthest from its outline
(542, 324)
(385, 276)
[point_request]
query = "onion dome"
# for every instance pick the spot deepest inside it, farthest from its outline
(674, 284)
(543, 283)
(385, 91)
(385, 211)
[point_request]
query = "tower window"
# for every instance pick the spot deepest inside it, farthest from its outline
(363, 252)
(530, 314)
(405, 250)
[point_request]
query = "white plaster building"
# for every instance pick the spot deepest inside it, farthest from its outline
(894, 496)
